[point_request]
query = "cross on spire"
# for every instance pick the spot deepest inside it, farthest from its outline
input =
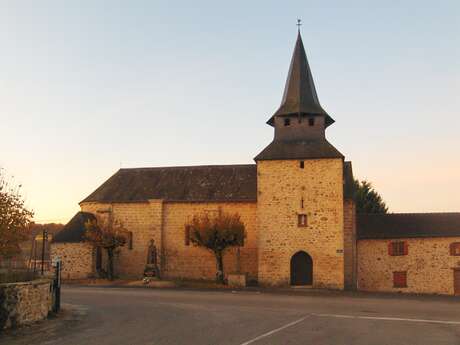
(299, 23)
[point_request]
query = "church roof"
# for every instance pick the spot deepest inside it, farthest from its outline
(349, 186)
(302, 149)
(300, 95)
(407, 225)
(74, 230)
(211, 183)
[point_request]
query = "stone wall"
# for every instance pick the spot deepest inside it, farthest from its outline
(349, 246)
(24, 303)
(144, 221)
(281, 187)
(77, 259)
(164, 222)
(192, 262)
(428, 263)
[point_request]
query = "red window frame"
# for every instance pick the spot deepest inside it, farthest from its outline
(455, 249)
(398, 248)
(400, 279)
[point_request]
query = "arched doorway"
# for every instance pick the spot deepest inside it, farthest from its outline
(301, 269)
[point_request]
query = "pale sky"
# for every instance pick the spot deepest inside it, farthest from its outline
(89, 86)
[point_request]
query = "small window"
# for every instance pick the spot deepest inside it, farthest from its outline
(302, 164)
(455, 249)
(287, 122)
(400, 279)
(311, 121)
(302, 220)
(187, 236)
(397, 248)
(130, 240)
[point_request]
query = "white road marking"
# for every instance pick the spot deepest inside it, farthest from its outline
(274, 331)
(445, 322)
(341, 316)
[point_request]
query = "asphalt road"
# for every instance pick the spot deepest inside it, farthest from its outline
(99, 316)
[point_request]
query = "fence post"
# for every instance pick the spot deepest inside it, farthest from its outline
(57, 285)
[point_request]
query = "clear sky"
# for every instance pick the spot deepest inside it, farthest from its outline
(89, 86)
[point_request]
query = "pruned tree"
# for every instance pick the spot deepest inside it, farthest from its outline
(368, 200)
(217, 234)
(14, 217)
(107, 234)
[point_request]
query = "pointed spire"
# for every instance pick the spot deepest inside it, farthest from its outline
(300, 94)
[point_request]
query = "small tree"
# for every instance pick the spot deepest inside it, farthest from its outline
(14, 218)
(106, 234)
(368, 200)
(217, 234)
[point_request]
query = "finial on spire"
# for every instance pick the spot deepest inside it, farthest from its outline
(299, 23)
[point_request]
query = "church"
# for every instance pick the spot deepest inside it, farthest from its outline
(296, 203)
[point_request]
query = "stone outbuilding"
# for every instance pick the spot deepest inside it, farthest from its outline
(297, 205)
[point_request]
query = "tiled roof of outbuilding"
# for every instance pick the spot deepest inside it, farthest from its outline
(407, 225)
(73, 231)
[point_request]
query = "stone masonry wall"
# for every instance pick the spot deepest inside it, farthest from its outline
(24, 303)
(429, 265)
(193, 262)
(281, 186)
(77, 259)
(164, 222)
(144, 220)
(349, 246)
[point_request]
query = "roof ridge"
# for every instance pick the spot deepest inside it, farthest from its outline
(190, 166)
(408, 213)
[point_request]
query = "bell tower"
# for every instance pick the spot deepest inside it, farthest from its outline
(300, 190)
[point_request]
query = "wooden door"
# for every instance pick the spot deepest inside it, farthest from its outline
(301, 269)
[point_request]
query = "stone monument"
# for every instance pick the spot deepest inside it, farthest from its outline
(151, 270)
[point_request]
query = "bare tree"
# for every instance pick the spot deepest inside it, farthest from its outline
(217, 234)
(107, 234)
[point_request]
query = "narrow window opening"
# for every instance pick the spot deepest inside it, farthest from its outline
(301, 203)
(302, 220)
(187, 235)
(311, 121)
(130, 240)
(302, 164)
(287, 122)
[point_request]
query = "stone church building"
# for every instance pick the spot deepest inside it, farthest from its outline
(297, 205)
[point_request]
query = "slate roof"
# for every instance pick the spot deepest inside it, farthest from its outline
(300, 95)
(407, 225)
(212, 183)
(302, 149)
(73, 231)
(349, 186)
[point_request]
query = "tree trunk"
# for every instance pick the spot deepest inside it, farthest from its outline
(220, 267)
(110, 263)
